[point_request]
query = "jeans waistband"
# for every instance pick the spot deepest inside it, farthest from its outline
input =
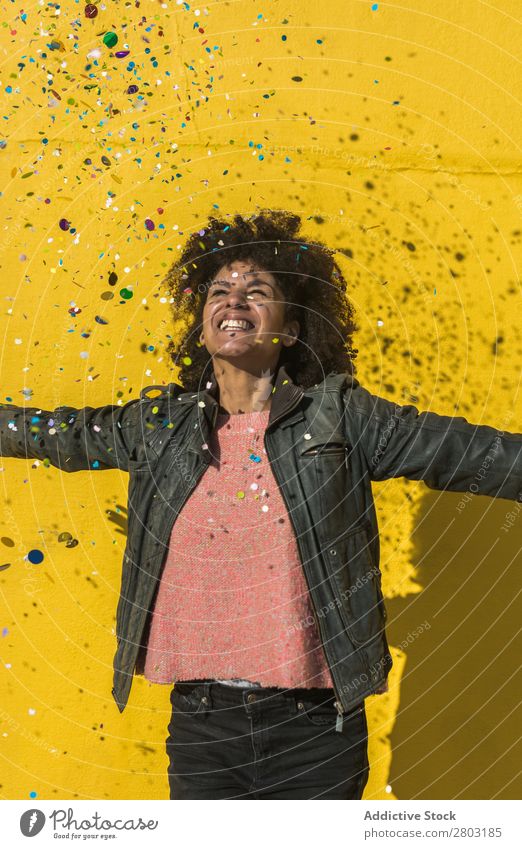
(227, 694)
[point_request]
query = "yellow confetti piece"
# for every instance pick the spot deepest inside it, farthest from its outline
(155, 410)
(240, 494)
(275, 340)
(187, 361)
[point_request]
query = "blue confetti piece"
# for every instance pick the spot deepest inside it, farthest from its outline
(35, 556)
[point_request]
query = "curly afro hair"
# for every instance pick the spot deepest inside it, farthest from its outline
(314, 287)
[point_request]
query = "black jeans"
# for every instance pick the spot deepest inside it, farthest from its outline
(229, 742)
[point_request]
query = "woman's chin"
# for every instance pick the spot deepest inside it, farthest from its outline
(235, 348)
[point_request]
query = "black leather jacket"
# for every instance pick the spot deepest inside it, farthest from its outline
(325, 445)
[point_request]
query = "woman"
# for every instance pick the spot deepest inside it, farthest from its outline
(233, 593)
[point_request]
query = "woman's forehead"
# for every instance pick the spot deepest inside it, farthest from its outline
(242, 269)
(236, 273)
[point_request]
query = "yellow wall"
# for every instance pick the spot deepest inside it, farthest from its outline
(398, 132)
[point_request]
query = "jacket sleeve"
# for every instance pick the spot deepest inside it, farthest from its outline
(446, 452)
(71, 439)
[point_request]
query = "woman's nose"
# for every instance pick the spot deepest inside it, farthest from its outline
(237, 298)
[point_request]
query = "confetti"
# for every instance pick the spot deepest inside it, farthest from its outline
(35, 556)
(64, 536)
(110, 39)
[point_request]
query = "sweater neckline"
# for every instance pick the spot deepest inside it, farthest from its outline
(252, 417)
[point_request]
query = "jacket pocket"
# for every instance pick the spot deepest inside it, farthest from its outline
(356, 584)
(325, 445)
(138, 467)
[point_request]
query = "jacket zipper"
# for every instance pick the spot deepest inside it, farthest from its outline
(338, 702)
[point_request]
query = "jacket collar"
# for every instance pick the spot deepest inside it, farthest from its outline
(285, 395)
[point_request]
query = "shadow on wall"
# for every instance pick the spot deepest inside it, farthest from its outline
(457, 731)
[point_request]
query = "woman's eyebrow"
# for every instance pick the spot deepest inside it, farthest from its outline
(256, 279)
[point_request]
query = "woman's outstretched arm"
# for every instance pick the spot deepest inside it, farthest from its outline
(72, 439)
(446, 452)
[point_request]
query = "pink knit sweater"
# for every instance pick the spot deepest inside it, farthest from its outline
(233, 600)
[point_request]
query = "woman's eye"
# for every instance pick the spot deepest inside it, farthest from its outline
(218, 291)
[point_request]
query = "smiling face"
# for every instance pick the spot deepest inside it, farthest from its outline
(243, 292)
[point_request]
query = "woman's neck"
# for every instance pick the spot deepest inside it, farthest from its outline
(241, 391)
